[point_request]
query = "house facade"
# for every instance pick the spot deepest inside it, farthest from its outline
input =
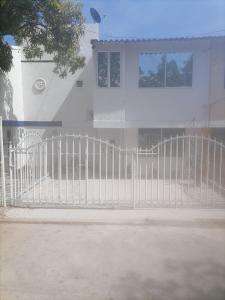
(165, 87)
(131, 92)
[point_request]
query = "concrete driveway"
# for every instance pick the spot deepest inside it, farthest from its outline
(112, 255)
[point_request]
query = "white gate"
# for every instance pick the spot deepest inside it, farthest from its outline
(82, 171)
(2, 169)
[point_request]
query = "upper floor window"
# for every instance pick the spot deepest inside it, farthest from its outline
(108, 69)
(165, 69)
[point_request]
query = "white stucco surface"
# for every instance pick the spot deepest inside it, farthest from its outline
(130, 106)
(16, 79)
(62, 100)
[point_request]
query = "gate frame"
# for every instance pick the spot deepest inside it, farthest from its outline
(2, 166)
(136, 170)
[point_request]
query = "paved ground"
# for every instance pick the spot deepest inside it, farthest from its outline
(147, 193)
(112, 255)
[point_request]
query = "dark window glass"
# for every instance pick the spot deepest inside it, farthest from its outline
(179, 69)
(172, 132)
(114, 69)
(165, 70)
(151, 70)
(218, 134)
(102, 69)
(148, 137)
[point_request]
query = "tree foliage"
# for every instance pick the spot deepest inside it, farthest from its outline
(51, 26)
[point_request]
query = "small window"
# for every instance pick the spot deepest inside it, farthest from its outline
(114, 69)
(109, 69)
(103, 69)
(165, 69)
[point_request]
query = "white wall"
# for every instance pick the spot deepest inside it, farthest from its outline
(15, 77)
(132, 107)
(61, 100)
(217, 88)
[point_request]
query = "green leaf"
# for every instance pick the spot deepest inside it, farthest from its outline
(52, 26)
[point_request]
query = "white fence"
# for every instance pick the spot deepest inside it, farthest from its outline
(82, 171)
(2, 169)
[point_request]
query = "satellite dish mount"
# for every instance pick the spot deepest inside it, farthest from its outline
(95, 15)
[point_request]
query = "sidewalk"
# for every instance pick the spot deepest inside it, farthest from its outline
(142, 216)
(158, 254)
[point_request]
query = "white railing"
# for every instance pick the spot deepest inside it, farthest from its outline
(2, 166)
(82, 171)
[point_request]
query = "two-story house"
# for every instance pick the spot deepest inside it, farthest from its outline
(146, 90)
(130, 92)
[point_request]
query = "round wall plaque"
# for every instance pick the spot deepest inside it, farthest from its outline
(40, 84)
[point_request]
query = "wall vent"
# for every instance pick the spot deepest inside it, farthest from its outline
(79, 83)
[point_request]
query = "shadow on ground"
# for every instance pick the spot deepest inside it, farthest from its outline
(203, 282)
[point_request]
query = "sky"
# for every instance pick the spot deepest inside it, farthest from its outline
(158, 18)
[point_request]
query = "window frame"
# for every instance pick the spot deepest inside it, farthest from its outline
(165, 86)
(108, 70)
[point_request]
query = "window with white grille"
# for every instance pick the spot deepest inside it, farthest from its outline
(108, 69)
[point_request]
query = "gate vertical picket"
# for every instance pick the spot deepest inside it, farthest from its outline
(152, 175)
(189, 162)
(201, 167)
(73, 171)
(195, 166)
(33, 170)
(220, 169)
(113, 170)
(86, 171)
(207, 172)
(145, 176)
(53, 176)
(164, 170)
(2, 165)
(10, 172)
(214, 164)
(100, 170)
(125, 175)
(59, 165)
(67, 150)
(132, 177)
(119, 163)
(170, 182)
(106, 169)
(176, 171)
(182, 171)
(79, 166)
(136, 175)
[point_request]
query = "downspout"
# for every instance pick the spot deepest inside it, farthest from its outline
(210, 83)
(122, 85)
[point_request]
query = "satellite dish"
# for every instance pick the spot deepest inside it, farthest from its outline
(95, 15)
